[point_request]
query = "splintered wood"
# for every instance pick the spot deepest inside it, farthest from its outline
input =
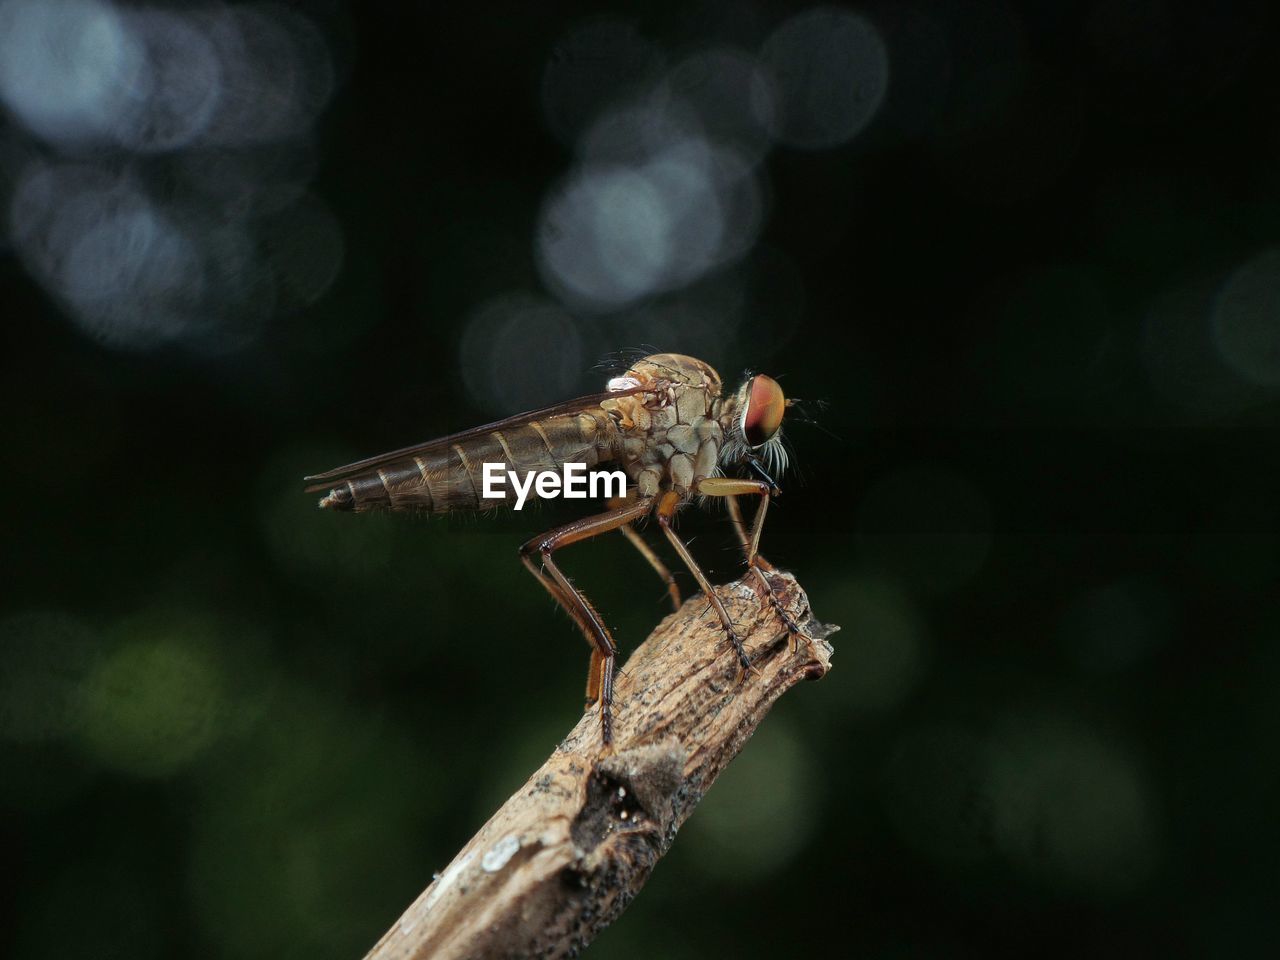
(565, 855)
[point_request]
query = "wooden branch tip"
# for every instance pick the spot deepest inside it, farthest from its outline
(572, 847)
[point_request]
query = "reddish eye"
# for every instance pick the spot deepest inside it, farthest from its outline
(764, 409)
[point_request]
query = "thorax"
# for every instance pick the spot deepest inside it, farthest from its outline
(668, 442)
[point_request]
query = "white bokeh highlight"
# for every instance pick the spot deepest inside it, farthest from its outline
(70, 70)
(615, 234)
(158, 165)
(667, 187)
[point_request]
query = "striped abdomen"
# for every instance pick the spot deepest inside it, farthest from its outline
(449, 476)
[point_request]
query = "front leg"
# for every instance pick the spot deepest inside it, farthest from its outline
(731, 488)
(740, 528)
(666, 510)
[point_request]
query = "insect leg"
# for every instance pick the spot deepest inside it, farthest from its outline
(646, 551)
(740, 528)
(594, 672)
(574, 610)
(604, 650)
(731, 489)
(666, 510)
(637, 541)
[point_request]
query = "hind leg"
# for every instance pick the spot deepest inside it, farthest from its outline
(604, 650)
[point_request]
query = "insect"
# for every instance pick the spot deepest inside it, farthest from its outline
(665, 422)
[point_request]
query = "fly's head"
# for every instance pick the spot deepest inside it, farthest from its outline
(752, 424)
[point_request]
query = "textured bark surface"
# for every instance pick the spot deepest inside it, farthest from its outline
(565, 855)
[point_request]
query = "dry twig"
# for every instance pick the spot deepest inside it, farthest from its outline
(565, 855)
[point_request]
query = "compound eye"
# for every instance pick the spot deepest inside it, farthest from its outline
(762, 415)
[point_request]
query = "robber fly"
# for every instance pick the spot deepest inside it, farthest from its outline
(664, 422)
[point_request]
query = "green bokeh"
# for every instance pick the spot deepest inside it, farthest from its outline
(157, 700)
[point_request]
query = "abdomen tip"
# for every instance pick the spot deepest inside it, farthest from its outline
(339, 499)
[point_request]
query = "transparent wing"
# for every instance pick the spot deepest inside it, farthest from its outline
(322, 481)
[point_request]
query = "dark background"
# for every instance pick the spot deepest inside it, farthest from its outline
(1039, 293)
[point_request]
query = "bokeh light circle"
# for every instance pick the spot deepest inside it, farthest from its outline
(733, 96)
(186, 83)
(762, 812)
(1069, 808)
(69, 70)
(520, 352)
(93, 238)
(1178, 352)
(614, 235)
(831, 70)
(277, 74)
(604, 240)
(144, 252)
(155, 702)
(1246, 320)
